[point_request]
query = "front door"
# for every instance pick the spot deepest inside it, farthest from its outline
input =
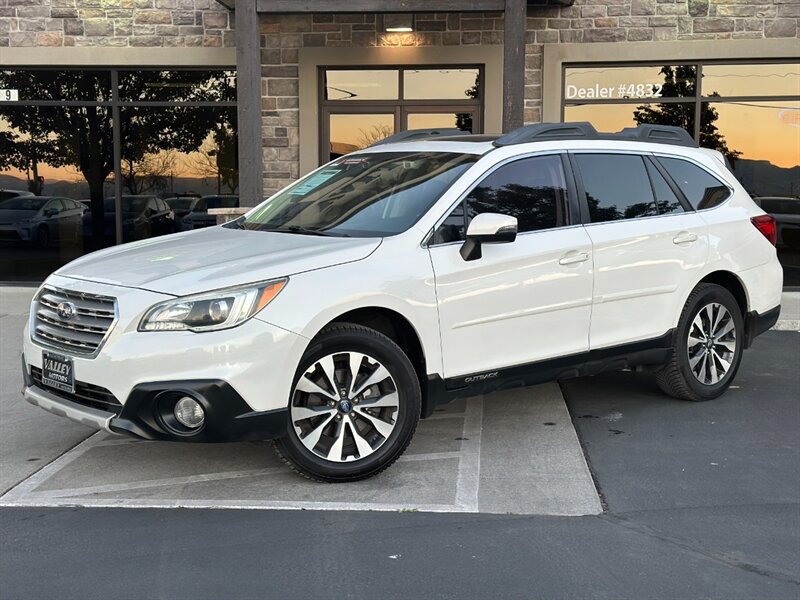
(524, 301)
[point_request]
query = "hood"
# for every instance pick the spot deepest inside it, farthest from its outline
(217, 257)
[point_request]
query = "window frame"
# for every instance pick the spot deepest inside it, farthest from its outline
(574, 211)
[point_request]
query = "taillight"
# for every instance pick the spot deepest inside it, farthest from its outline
(766, 225)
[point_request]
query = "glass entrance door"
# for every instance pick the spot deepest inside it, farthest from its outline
(361, 106)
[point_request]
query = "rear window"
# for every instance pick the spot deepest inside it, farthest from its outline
(701, 189)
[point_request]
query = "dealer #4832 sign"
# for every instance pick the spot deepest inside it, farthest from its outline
(623, 90)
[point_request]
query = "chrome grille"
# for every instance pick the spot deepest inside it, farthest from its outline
(87, 328)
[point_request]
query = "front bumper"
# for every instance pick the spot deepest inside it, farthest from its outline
(242, 376)
(228, 417)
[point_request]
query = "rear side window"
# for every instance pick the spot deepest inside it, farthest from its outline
(617, 187)
(666, 200)
(701, 189)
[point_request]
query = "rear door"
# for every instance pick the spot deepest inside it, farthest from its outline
(649, 246)
(523, 301)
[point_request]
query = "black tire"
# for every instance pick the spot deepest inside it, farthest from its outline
(344, 338)
(43, 237)
(676, 377)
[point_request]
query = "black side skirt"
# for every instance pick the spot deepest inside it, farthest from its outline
(649, 352)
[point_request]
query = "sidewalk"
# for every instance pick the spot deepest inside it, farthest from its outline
(790, 312)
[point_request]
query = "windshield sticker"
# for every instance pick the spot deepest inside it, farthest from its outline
(314, 181)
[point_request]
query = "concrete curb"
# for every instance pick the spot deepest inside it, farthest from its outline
(788, 325)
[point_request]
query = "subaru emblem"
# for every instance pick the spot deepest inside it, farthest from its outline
(66, 310)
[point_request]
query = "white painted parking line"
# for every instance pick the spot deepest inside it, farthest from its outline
(469, 467)
(440, 473)
(26, 487)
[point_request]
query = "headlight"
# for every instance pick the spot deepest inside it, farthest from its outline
(220, 309)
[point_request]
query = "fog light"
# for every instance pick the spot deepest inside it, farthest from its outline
(189, 413)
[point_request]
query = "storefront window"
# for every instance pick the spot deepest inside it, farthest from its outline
(351, 132)
(749, 112)
(622, 83)
(751, 80)
(177, 86)
(362, 106)
(441, 84)
(362, 84)
(56, 86)
(61, 182)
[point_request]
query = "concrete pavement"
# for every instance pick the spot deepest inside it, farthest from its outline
(703, 502)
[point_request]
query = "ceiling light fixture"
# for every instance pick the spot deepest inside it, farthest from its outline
(398, 22)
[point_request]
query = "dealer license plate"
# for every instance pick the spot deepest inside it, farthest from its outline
(57, 372)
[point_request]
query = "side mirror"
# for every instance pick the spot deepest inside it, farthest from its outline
(49, 212)
(488, 228)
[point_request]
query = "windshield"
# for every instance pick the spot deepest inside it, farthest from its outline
(367, 195)
(23, 203)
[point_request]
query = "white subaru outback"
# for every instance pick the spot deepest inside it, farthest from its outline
(336, 314)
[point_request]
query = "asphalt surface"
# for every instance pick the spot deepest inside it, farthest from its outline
(703, 501)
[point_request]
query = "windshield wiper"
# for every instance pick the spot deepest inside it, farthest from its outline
(306, 231)
(235, 224)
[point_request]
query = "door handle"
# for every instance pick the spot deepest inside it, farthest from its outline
(684, 237)
(572, 258)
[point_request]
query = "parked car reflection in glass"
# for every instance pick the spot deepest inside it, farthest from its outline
(182, 204)
(142, 217)
(41, 220)
(5, 194)
(198, 217)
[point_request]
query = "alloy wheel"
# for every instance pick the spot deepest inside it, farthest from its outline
(711, 343)
(344, 407)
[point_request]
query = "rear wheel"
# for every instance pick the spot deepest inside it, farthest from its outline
(707, 347)
(354, 406)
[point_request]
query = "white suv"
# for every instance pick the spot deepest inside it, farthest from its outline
(397, 278)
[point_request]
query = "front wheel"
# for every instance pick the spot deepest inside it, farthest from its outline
(354, 406)
(707, 346)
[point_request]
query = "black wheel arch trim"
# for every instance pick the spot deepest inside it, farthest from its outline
(757, 323)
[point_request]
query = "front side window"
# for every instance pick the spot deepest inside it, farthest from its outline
(701, 189)
(617, 187)
(368, 195)
(533, 190)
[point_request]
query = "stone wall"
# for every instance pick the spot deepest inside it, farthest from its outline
(28, 23)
